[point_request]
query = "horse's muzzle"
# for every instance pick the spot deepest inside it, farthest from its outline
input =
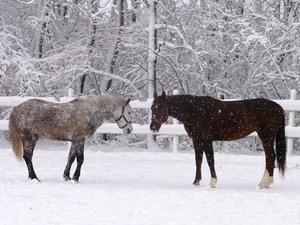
(155, 126)
(128, 129)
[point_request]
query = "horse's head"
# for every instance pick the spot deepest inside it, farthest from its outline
(159, 111)
(122, 117)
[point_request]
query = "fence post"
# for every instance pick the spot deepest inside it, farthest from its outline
(175, 137)
(70, 93)
(290, 140)
(150, 137)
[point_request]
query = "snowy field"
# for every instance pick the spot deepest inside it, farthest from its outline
(121, 186)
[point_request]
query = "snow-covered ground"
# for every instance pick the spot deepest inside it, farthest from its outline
(124, 186)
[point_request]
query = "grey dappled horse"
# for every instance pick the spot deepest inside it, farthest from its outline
(73, 121)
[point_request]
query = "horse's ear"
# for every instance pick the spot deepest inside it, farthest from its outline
(163, 95)
(155, 95)
(128, 100)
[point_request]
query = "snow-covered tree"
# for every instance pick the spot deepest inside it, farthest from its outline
(17, 73)
(233, 48)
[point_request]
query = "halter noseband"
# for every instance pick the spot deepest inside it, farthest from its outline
(122, 116)
(165, 117)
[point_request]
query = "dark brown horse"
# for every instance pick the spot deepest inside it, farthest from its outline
(206, 119)
(73, 121)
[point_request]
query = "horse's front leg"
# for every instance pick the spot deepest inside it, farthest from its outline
(71, 158)
(80, 159)
(209, 153)
(198, 157)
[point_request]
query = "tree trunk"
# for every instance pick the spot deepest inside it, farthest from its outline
(152, 46)
(277, 9)
(91, 44)
(114, 50)
(152, 59)
(135, 5)
(241, 7)
(36, 49)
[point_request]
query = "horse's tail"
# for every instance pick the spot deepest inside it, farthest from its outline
(15, 138)
(281, 150)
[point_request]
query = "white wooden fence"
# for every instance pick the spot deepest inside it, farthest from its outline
(290, 106)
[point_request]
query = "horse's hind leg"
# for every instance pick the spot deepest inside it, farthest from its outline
(28, 147)
(267, 178)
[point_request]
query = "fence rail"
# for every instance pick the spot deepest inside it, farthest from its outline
(291, 106)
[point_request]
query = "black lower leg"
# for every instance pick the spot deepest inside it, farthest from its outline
(71, 159)
(270, 164)
(31, 173)
(209, 153)
(198, 157)
(80, 159)
(270, 155)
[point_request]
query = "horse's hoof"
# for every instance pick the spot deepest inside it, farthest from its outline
(196, 183)
(266, 181)
(35, 179)
(263, 186)
(76, 179)
(67, 178)
(213, 182)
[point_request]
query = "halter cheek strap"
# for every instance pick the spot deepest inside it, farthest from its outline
(165, 117)
(122, 116)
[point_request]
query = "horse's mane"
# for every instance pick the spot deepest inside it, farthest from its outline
(103, 101)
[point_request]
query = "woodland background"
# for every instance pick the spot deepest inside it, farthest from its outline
(221, 48)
